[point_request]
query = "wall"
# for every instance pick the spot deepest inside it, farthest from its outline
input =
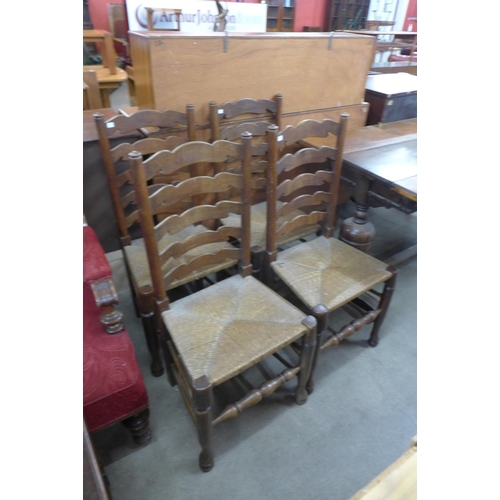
(309, 13)
(98, 10)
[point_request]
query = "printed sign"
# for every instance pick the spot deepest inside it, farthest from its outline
(197, 16)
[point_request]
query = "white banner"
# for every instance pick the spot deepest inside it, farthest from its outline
(198, 16)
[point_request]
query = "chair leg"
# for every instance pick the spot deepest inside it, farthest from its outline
(167, 357)
(384, 305)
(320, 312)
(257, 257)
(132, 290)
(306, 359)
(139, 426)
(149, 323)
(203, 400)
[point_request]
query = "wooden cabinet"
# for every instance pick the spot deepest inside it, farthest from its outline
(392, 97)
(280, 15)
(173, 69)
(346, 14)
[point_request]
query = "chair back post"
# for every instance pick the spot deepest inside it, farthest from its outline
(214, 121)
(191, 122)
(246, 199)
(272, 180)
(279, 110)
(109, 168)
(191, 133)
(147, 226)
(329, 227)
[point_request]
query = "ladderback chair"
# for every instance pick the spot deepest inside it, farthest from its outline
(231, 119)
(324, 273)
(215, 334)
(288, 140)
(160, 131)
(224, 122)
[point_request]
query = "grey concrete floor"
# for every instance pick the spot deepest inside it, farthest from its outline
(360, 418)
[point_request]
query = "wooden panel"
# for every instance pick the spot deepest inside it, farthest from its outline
(92, 92)
(139, 52)
(195, 69)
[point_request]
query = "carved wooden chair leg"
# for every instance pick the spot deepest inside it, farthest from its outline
(139, 426)
(384, 305)
(167, 356)
(320, 312)
(203, 400)
(149, 323)
(306, 360)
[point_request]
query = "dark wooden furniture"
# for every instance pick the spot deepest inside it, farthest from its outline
(324, 273)
(280, 15)
(216, 333)
(113, 387)
(346, 14)
(380, 165)
(384, 176)
(288, 142)
(223, 117)
(160, 130)
(97, 204)
(230, 120)
(392, 97)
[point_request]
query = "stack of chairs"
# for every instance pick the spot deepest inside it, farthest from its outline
(244, 273)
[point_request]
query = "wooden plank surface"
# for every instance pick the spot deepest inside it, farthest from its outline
(397, 482)
(373, 136)
(391, 164)
(104, 75)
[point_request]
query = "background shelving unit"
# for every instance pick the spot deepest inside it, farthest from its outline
(280, 15)
(346, 14)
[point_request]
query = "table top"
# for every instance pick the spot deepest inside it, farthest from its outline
(104, 76)
(384, 145)
(372, 136)
(393, 164)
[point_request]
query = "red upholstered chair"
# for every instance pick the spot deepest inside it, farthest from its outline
(113, 387)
